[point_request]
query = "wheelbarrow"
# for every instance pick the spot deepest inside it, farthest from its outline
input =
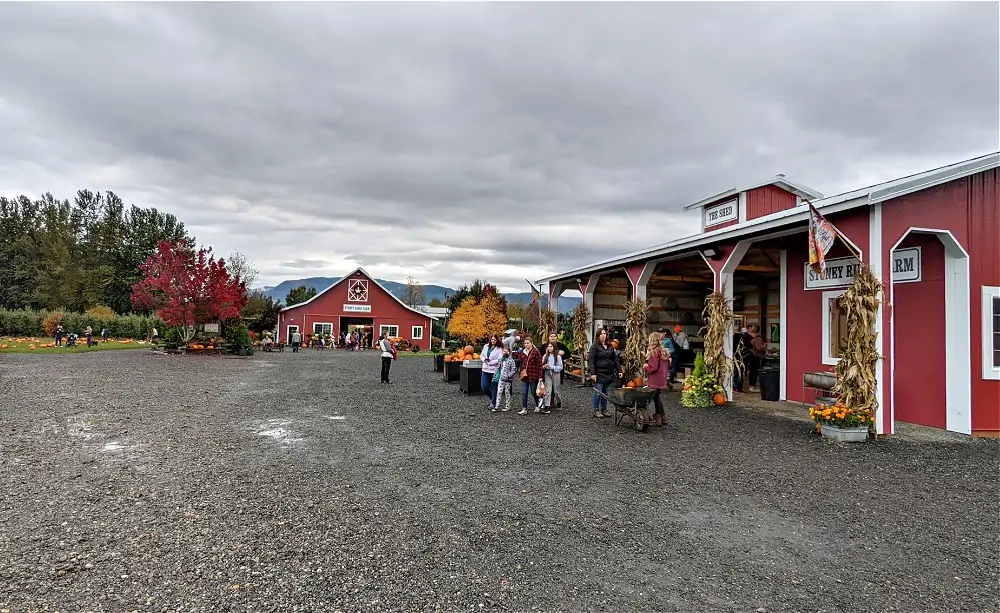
(631, 402)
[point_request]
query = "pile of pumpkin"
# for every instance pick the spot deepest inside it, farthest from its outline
(460, 355)
(33, 344)
(200, 346)
(637, 382)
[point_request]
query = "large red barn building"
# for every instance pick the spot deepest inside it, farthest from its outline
(356, 300)
(932, 238)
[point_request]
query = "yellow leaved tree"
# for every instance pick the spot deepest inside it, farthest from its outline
(474, 321)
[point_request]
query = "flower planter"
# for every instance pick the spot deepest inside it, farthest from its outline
(845, 435)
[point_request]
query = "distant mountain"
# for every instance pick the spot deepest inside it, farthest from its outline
(280, 291)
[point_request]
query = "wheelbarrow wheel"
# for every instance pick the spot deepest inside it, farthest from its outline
(639, 417)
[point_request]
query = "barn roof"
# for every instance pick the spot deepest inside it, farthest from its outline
(370, 278)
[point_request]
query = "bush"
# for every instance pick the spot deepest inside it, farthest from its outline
(51, 322)
(100, 312)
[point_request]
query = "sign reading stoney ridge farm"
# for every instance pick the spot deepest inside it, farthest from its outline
(721, 213)
(357, 308)
(840, 271)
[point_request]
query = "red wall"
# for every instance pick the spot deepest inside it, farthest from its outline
(804, 316)
(970, 209)
(768, 199)
(328, 307)
(918, 316)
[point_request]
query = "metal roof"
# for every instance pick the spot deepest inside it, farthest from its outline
(373, 280)
(860, 197)
(798, 189)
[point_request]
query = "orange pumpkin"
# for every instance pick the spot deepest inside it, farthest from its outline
(637, 381)
(447, 358)
(460, 355)
(475, 356)
(469, 349)
(630, 385)
(577, 371)
(614, 343)
(719, 399)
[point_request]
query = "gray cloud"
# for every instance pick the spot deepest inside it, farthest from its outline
(451, 141)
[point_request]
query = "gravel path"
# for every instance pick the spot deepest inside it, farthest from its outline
(296, 482)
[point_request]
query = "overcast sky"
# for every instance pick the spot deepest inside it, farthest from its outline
(452, 141)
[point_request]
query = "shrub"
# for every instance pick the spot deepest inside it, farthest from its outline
(100, 312)
(51, 322)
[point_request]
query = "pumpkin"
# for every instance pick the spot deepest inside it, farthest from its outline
(31, 347)
(447, 358)
(614, 343)
(630, 385)
(469, 349)
(475, 356)
(637, 381)
(687, 388)
(460, 355)
(719, 399)
(577, 371)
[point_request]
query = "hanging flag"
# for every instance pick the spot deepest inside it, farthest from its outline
(535, 294)
(822, 235)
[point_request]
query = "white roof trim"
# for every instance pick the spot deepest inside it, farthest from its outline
(832, 204)
(370, 278)
(799, 190)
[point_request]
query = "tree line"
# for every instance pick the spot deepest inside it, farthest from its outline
(77, 255)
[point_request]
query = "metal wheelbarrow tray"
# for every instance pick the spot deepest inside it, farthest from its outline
(632, 403)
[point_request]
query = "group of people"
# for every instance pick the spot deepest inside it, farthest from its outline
(62, 339)
(750, 350)
(539, 370)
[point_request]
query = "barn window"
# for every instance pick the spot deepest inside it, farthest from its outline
(357, 290)
(991, 332)
(323, 329)
(834, 328)
(417, 333)
(389, 330)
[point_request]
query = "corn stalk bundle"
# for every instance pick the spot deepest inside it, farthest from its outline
(856, 383)
(546, 325)
(718, 315)
(581, 324)
(636, 340)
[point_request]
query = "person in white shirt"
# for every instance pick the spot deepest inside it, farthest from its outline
(296, 341)
(385, 345)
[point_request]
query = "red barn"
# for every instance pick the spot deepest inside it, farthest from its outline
(932, 238)
(356, 301)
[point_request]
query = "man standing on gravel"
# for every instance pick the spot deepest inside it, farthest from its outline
(296, 341)
(385, 345)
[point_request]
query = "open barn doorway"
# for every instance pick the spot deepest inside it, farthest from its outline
(757, 321)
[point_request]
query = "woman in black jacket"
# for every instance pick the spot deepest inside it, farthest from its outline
(603, 366)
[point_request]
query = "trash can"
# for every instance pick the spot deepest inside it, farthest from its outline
(439, 362)
(769, 384)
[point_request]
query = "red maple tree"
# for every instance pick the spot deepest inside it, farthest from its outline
(188, 287)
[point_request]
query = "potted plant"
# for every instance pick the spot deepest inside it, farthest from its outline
(702, 389)
(841, 423)
(242, 343)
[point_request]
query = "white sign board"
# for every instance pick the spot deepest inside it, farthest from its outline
(721, 213)
(212, 328)
(357, 308)
(840, 271)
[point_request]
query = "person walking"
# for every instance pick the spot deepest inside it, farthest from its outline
(504, 380)
(388, 355)
(491, 354)
(562, 351)
(89, 333)
(657, 369)
(758, 350)
(531, 373)
(296, 341)
(552, 366)
(603, 366)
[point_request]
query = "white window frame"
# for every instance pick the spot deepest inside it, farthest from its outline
(417, 333)
(322, 323)
(384, 329)
(990, 371)
(288, 332)
(829, 360)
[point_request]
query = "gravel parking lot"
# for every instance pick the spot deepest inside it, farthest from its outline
(296, 482)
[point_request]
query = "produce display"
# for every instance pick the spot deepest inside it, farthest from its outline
(702, 389)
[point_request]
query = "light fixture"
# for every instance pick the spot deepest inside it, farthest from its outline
(712, 253)
(579, 280)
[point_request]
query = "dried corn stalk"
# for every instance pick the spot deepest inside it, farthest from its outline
(856, 383)
(718, 315)
(636, 340)
(581, 324)
(546, 325)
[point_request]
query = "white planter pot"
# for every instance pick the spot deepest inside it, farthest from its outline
(844, 435)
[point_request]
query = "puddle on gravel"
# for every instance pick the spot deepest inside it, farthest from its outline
(279, 431)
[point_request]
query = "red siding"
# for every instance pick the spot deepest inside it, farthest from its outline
(328, 307)
(918, 315)
(722, 225)
(768, 199)
(970, 209)
(804, 316)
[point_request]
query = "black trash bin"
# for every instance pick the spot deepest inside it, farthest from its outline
(769, 384)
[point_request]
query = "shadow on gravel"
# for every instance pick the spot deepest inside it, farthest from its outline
(182, 483)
